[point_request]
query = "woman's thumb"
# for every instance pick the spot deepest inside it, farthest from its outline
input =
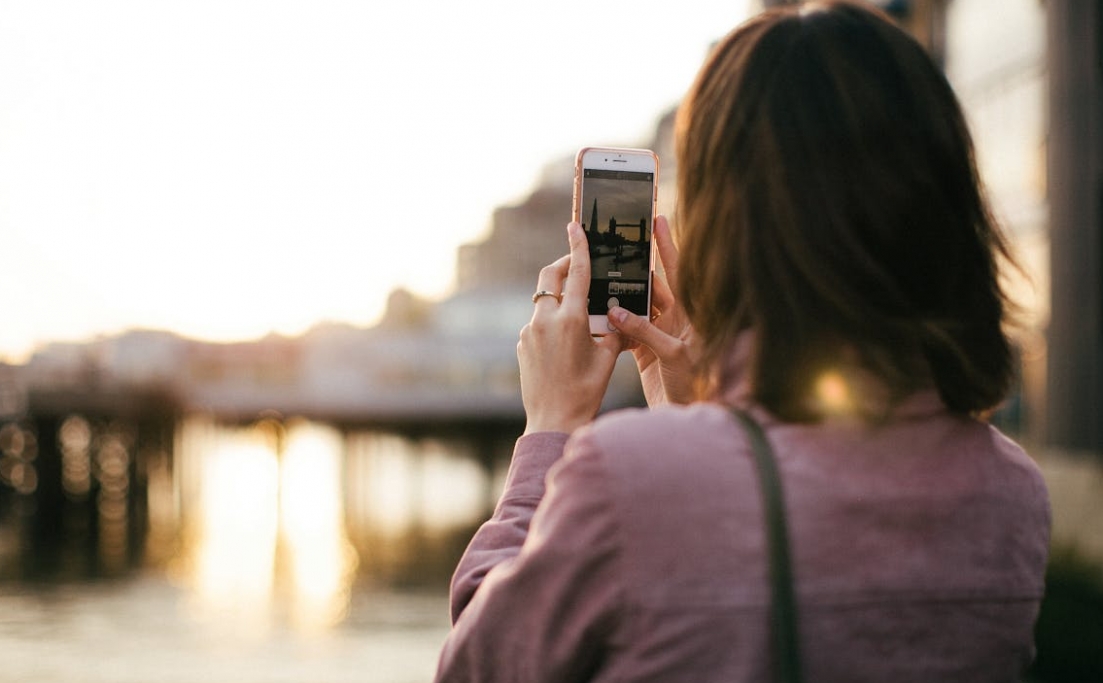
(640, 329)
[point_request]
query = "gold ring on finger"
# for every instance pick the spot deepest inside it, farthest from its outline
(544, 292)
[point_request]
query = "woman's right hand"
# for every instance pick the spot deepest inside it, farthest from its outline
(564, 370)
(665, 347)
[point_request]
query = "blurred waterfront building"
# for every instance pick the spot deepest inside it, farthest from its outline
(1074, 418)
(996, 59)
(1028, 74)
(522, 239)
(525, 237)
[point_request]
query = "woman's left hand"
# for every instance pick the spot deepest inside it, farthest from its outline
(564, 370)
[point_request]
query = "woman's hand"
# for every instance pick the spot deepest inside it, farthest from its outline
(665, 349)
(564, 370)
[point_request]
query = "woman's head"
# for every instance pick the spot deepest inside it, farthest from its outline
(828, 200)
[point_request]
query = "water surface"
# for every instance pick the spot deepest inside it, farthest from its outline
(147, 630)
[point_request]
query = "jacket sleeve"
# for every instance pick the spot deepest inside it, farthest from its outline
(538, 604)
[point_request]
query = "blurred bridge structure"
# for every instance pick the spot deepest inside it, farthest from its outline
(446, 371)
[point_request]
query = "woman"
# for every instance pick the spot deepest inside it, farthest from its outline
(837, 277)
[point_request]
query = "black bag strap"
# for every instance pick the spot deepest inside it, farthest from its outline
(783, 609)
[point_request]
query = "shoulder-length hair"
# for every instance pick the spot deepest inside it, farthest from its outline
(829, 201)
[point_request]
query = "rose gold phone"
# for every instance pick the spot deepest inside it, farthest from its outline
(615, 194)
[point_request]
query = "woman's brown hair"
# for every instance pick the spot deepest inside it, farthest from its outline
(829, 201)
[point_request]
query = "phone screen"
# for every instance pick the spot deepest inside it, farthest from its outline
(615, 211)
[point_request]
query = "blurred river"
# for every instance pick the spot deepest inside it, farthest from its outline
(148, 630)
(272, 552)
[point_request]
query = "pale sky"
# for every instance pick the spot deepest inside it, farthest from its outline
(228, 168)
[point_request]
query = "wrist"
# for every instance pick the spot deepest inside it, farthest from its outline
(537, 423)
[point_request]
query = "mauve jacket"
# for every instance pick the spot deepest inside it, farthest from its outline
(919, 549)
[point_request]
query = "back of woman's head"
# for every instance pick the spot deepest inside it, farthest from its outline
(829, 201)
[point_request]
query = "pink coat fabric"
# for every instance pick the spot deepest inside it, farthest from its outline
(919, 549)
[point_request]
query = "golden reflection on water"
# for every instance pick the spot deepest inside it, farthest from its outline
(266, 536)
(398, 486)
(277, 518)
(320, 556)
(233, 557)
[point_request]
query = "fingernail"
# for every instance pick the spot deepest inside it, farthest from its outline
(619, 314)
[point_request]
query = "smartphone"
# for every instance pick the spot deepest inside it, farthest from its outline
(615, 194)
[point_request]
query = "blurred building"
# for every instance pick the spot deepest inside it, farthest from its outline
(1074, 159)
(523, 238)
(1028, 74)
(527, 236)
(998, 69)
